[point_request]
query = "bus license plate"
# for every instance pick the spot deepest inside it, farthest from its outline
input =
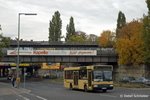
(104, 88)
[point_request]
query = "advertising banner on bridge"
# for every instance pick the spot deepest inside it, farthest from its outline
(53, 52)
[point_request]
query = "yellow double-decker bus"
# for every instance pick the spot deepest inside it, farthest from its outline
(96, 77)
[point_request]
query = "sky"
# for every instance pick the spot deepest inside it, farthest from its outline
(90, 16)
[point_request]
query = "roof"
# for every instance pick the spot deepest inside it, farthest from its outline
(46, 43)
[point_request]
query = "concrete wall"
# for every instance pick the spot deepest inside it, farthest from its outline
(133, 71)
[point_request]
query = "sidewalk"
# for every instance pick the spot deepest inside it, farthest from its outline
(7, 89)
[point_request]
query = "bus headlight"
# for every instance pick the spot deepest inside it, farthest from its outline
(95, 86)
(111, 85)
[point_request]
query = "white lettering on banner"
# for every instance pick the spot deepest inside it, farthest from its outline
(53, 52)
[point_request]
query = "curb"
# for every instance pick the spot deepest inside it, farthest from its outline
(132, 88)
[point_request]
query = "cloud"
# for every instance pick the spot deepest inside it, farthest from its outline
(90, 16)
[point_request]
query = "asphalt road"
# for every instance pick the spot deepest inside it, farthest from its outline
(45, 90)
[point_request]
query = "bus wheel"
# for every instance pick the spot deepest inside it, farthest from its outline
(105, 90)
(85, 88)
(70, 87)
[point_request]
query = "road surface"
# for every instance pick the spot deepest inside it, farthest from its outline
(44, 90)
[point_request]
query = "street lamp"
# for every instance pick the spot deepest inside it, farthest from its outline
(18, 45)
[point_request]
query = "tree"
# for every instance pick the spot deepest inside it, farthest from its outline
(4, 42)
(121, 22)
(92, 38)
(70, 29)
(51, 32)
(146, 38)
(129, 45)
(106, 38)
(146, 35)
(148, 5)
(55, 27)
(78, 37)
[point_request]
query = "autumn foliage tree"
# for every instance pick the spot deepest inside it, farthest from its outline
(106, 38)
(129, 45)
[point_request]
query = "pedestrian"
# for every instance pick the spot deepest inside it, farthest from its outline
(17, 82)
(13, 80)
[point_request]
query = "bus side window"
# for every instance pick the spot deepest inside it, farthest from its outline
(68, 74)
(83, 74)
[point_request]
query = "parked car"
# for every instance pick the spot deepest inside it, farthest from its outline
(127, 79)
(142, 80)
(147, 82)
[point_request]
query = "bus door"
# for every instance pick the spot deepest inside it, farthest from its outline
(89, 78)
(75, 77)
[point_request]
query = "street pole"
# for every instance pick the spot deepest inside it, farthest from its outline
(18, 46)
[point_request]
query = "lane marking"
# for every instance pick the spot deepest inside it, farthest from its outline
(41, 98)
(23, 97)
(36, 96)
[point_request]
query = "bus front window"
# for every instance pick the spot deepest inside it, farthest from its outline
(107, 75)
(98, 75)
(102, 75)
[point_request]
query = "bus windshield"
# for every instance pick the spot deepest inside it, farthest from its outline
(107, 75)
(102, 75)
(98, 76)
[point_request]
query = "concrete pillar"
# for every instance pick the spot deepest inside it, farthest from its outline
(0, 72)
(3, 72)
